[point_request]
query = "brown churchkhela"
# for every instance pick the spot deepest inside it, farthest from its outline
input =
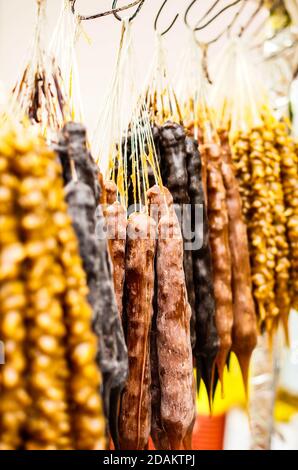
(221, 256)
(135, 413)
(158, 434)
(159, 203)
(244, 336)
(116, 229)
(110, 190)
(174, 354)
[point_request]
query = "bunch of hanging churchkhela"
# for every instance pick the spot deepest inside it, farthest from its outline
(39, 93)
(47, 92)
(49, 394)
(159, 397)
(173, 389)
(263, 153)
(181, 173)
(231, 277)
(132, 249)
(82, 192)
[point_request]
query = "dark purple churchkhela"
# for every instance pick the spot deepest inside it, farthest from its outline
(207, 342)
(82, 197)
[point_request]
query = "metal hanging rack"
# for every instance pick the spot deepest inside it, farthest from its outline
(114, 11)
(163, 33)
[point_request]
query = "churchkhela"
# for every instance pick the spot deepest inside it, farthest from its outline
(50, 382)
(207, 341)
(82, 194)
(221, 256)
(174, 175)
(244, 333)
(135, 412)
(173, 346)
(116, 228)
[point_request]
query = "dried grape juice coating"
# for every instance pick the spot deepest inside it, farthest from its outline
(244, 336)
(173, 163)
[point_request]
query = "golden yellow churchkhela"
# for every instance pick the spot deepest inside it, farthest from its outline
(49, 395)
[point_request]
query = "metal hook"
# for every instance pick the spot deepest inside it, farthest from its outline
(227, 7)
(197, 27)
(185, 18)
(229, 27)
(205, 15)
(116, 10)
(214, 5)
(157, 18)
(239, 12)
